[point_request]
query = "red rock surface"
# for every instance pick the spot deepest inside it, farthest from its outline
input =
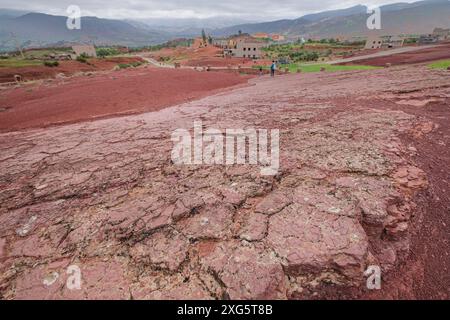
(104, 196)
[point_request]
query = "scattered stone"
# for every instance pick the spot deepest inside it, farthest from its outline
(50, 278)
(313, 242)
(247, 271)
(2, 247)
(26, 228)
(164, 250)
(273, 203)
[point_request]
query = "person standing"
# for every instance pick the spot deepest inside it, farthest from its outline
(273, 68)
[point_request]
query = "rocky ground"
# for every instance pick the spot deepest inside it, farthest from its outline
(354, 189)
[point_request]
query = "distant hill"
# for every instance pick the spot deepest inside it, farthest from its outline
(11, 13)
(38, 29)
(398, 18)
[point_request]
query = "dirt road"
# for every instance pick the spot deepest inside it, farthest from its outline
(359, 184)
(401, 56)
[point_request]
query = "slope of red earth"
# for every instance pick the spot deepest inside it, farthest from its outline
(363, 180)
(102, 95)
(66, 68)
(419, 56)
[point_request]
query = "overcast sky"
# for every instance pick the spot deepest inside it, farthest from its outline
(253, 9)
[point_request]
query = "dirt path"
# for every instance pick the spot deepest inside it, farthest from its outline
(385, 53)
(407, 56)
(359, 184)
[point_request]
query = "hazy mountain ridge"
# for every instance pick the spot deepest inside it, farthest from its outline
(38, 29)
(418, 17)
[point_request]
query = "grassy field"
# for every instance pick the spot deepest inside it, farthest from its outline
(42, 53)
(442, 64)
(18, 63)
(316, 67)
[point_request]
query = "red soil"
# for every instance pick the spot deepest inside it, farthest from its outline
(203, 57)
(103, 95)
(424, 55)
(65, 67)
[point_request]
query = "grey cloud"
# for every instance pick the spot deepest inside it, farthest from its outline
(255, 9)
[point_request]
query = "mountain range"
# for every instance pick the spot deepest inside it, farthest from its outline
(32, 29)
(398, 18)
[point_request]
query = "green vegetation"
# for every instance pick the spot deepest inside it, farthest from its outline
(18, 63)
(44, 53)
(294, 67)
(310, 50)
(129, 65)
(105, 52)
(442, 64)
(51, 64)
(170, 44)
(83, 58)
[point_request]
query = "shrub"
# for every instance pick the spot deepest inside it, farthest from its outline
(123, 66)
(82, 58)
(104, 52)
(51, 64)
(129, 65)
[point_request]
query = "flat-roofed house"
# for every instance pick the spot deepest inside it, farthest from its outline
(87, 50)
(248, 48)
(221, 42)
(261, 35)
(393, 42)
(441, 34)
(385, 42)
(374, 42)
(428, 39)
(277, 37)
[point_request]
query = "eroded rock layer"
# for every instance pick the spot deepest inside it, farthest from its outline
(104, 196)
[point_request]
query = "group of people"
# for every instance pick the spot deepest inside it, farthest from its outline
(273, 68)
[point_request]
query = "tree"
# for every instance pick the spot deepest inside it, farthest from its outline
(204, 35)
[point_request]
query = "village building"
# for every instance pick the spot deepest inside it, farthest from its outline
(384, 42)
(393, 42)
(374, 43)
(428, 39)
(248, 48)
(87, 50)
(261, 35)
(441, 34)
(221, 42)
(277, 37)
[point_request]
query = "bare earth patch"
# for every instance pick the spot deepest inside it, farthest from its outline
(105, 196)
